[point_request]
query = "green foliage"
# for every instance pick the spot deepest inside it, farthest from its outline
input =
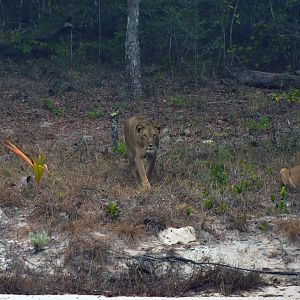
(117, 107)
(49, 105)
(38, 240)
(283, 192)
(39, 167)
(223, 153)
(112, 209)
(179, 101)
(187, 210)
(219, 175)
(260, 125)
(95, 113)
(239, 188)
(254, 40)
(208, 203)
(280, 200)
(222, 207)
(292, 96)
(263, 227)
(250, 180)
(120, 149)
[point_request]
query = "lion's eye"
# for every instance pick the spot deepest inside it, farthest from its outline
(145, 136)
(154, 136)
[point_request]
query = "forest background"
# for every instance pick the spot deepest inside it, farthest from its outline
(194, 37)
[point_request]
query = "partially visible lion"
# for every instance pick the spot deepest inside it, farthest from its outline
(291, 177)
(142, 139)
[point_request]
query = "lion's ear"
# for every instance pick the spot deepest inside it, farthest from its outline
(139, 128)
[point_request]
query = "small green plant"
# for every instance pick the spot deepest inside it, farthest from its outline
(223, 207)
(179, 101)
(159, 76)
(219, 174)
(112, 209)
(283, 192)
(117, 106)
(273, 198)
(251, 180)
(38, 165)
(260, 125)
(38, 240)
(292, 96)
(208, 203)
(120, 149)
(280, 202)
(95, 113)
(263, 227)
(49, 105)
(187, 210)
(223, 153)
(239, 188)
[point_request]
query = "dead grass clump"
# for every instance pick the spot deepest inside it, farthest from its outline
(129, 232)
(236, 221)
(140, 279)
(87, 255)
(225, 281)
(153, 220)
(10, 197)
(84, 224)
(290, 229)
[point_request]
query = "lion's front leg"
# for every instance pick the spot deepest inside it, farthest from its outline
(142, 173)
(149, 165)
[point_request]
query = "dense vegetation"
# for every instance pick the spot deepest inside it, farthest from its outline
(194, 36)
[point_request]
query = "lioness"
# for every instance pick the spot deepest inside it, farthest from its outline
(141, 137)
(291, 176)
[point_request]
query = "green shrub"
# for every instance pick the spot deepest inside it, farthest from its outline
(39, 240)
(219, 174)
(112, 209)
(120, 149)
(263, 227)
(95, 113)
(179, 101)
(239, 188)
(208, 203)
(280, 200)
(49, 105)
(292, 96)
(262, 124)
(187, 210)
(223, 153)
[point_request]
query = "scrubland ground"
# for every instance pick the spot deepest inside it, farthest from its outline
(218, 168)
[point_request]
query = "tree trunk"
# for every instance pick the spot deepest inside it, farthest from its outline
(132, 50)
(268, 80)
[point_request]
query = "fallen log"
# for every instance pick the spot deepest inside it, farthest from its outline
(267, 80)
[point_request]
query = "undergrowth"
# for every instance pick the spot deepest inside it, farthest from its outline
(215, 162)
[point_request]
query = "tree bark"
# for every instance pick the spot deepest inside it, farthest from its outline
(268, 80)
(132, 50)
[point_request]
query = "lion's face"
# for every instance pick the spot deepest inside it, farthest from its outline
(148, 138)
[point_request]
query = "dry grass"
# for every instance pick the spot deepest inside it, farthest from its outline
(129, 232)
(87, 255)
(210, 166)
(290, 229)
(225, 281)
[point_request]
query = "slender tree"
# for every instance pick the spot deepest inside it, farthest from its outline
(132, 50)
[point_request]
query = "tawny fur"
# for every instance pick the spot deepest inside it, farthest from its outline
(291, 177)
(142, 139)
